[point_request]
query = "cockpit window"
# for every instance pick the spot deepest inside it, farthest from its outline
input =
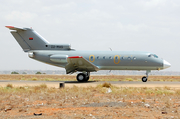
(153, 55)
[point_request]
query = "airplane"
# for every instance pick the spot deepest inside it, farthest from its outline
(61, 55)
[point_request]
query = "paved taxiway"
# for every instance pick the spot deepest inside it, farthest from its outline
(55, 84)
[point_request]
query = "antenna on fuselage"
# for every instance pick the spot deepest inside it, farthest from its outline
(110, 49)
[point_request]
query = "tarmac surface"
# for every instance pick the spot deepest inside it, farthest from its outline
(56, 84)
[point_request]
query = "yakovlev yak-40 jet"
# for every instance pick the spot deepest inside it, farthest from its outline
(62, 55)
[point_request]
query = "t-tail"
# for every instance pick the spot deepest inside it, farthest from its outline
(29, 39)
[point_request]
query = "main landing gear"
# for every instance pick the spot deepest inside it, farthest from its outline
(83, 77)
(145, 78)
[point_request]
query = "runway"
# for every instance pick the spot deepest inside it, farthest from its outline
(55, 84)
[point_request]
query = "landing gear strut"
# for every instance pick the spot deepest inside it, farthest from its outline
(83, 77)
(145, 78)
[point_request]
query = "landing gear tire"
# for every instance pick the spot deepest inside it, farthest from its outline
(144, 79)
(81, 77)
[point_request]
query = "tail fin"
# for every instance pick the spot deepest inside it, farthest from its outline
(28, 39)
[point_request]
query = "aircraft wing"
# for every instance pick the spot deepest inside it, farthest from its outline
(78, 63)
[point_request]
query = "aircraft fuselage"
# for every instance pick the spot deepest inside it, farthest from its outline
(104, 60)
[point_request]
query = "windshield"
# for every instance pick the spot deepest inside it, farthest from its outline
(153, 55)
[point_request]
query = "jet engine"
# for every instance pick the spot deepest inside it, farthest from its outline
(59, 58)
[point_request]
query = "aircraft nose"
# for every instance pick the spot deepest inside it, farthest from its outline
(166, 64)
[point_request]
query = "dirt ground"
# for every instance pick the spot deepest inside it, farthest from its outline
(101, 102)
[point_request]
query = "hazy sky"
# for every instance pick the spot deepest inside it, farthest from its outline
(123, 25)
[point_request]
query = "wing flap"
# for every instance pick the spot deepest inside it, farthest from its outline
(78, 63)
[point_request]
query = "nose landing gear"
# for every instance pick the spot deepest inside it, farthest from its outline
(145, 78)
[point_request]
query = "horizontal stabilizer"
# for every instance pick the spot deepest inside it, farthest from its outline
(15, 28)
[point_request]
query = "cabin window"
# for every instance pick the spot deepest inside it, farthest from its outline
(98, 57)
(104, 57)
(116, 59)
(110, 57)
(92, 58)
(129, 58)
(134, 58)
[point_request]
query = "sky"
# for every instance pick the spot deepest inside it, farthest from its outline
(122, 25)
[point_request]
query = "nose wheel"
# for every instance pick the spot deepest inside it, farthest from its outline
(145, 78)
(83, 77)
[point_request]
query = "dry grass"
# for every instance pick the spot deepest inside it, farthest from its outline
(106, 84)
(27, 100)
(82, 102)
(9, 86)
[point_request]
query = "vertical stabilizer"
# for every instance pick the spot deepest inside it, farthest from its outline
(28, 39)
